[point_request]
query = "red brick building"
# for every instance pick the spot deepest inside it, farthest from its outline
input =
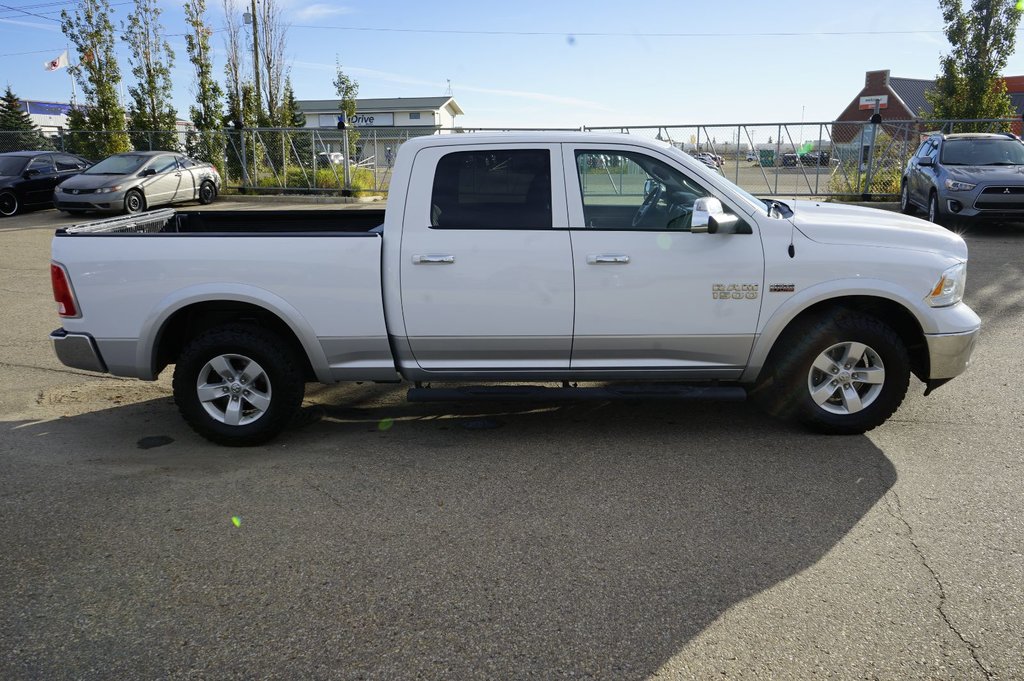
(900, 99)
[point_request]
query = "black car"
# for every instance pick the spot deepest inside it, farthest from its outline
(27, 178)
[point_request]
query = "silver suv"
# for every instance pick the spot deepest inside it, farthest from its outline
(966, 176)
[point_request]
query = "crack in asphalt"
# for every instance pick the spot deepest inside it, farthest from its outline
(897, 514)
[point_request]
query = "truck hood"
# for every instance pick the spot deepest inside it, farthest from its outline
(832, 223)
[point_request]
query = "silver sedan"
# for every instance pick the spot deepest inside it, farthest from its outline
(135, 181)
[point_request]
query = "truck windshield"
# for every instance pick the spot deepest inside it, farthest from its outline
(983, 152)
(123, 164)
(12, 165)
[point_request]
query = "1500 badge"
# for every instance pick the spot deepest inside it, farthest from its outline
(734, 291)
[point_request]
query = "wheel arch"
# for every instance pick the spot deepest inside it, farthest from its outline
(192, 314)
(892, 312)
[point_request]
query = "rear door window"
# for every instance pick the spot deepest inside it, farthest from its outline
(492, 189)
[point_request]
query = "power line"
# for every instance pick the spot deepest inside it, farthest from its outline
(614, 34)
(31, 14)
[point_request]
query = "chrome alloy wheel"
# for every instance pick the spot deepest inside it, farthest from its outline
(846, 378)
(233, 390)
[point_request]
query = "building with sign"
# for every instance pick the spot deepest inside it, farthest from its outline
(414, 115)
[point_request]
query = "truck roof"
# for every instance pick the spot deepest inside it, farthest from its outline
(547, 137)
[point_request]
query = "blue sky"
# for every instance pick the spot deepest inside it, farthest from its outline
(558, 64)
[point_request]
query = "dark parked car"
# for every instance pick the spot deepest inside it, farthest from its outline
(815, 158)
(966, 176)
(27, 178)
(810, 158)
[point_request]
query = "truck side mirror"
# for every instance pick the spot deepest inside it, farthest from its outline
(704, 209)
(926, 161)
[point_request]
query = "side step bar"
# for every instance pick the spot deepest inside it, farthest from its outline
(539, 393)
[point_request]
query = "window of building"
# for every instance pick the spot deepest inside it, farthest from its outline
(414, 116)
(494, 189)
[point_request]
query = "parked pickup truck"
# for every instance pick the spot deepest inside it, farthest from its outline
(520, 259)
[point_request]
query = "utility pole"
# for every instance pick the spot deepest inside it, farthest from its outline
(256, 58)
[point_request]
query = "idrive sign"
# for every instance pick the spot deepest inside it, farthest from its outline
(373, 120)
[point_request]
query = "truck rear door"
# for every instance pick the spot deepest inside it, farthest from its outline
(486, 264)
(650, 294)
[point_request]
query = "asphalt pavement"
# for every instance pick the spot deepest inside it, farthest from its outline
(381, 539)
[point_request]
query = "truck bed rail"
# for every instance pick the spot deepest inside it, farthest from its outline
(153, 221)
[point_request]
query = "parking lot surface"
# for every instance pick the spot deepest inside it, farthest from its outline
(388, 540)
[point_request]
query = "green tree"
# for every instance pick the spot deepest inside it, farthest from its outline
(291, 114)
(969, 83)
(98, 75)
(207, 143)
(17, 131)
(151, 116)
(347, 89)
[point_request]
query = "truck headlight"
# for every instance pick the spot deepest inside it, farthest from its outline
(958, 186)
(107, 190)
(949, 289)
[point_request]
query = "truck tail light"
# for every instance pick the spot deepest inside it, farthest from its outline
(66, 306)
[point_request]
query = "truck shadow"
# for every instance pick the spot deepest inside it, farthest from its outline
(389, 540)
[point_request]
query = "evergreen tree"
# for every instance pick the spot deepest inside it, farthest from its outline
(98, 75)
(969, 85)
(207, 143)
(17, 131)
(292, 116)
(151, 116)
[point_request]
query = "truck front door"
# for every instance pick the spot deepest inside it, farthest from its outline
(486, 266)
(652, 296)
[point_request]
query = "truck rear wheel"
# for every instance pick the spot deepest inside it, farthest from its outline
(238, 385)
(841, 374)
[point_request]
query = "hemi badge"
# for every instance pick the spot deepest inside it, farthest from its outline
(781, 288)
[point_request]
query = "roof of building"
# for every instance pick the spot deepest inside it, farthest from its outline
(383, 104)
(911, 91)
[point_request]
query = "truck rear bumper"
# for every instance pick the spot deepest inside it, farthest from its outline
(950, 353)
(77, 350)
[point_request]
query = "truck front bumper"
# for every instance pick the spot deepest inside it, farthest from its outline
(77, 350)
(950, 353)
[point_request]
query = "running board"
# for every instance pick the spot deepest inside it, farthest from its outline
(541, 393)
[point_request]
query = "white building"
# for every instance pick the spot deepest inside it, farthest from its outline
(407, 113)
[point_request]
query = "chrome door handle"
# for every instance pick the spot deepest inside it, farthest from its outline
(433, 260)
(607, 259)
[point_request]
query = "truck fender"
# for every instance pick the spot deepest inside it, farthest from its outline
(830, 290)
(154, 323)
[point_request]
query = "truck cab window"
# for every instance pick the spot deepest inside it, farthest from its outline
(492, 189)
(624, 190)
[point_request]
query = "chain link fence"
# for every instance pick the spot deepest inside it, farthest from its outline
(838, 160)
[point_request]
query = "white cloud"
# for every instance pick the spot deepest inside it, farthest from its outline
(45, 27)
(320, 11)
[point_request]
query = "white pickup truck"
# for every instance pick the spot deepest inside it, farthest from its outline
(543, 258)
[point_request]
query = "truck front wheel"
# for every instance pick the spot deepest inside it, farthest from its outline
(841, 374)
(238, 385)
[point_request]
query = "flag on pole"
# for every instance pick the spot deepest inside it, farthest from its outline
(59, 62)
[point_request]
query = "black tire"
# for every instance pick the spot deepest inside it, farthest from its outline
(8, 204)
(934, 209)
(276, 382)
(906, 207)
(134, 202)
(207, 193)
(848, 406)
